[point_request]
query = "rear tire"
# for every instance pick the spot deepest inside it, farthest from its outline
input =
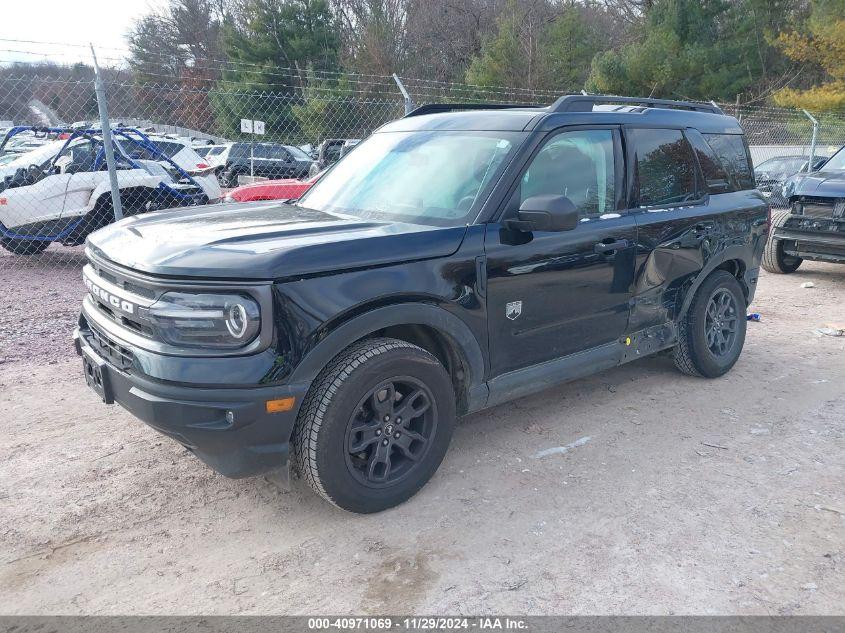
(24, 247)
(774, 259)
(351, 443)
(712, 333)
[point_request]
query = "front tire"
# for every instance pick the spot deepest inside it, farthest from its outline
(375, 425)
(712, 333)
(24, 247)
(774, 259)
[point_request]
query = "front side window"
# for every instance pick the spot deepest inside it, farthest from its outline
(426, 177)
(664, 166)
(578, 165)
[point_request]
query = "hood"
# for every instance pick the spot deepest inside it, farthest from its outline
(817, 183)
(266, 240)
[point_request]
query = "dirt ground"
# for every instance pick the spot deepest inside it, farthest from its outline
(676, 495)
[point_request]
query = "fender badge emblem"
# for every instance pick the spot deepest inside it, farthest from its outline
(513, 309)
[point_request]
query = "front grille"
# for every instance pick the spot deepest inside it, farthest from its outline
(118, 355)
(821, 208)
(122, 280)
(129, 323)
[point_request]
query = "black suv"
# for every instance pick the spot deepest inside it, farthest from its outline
(268, 160)
(460, 258)
(813, 227)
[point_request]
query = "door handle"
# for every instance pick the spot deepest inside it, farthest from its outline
(603, 248)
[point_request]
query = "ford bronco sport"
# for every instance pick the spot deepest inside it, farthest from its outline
(813, 227)
(460, 257)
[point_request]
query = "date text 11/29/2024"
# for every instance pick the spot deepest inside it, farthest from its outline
(428, 623)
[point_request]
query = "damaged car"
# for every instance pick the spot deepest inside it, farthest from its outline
(813, 225)
(459, 258)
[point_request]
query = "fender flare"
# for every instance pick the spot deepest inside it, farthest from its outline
(414, 313)
(732, 252)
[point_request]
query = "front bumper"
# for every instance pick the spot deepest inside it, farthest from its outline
(229, 429)
(813, 245)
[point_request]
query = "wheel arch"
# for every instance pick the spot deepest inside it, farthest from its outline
(430, 327)
(732, 260)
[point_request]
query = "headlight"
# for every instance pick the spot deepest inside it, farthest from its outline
(211, 321)
(788, 188)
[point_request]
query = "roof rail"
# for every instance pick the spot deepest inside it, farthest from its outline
(585, 103)
(433, 108)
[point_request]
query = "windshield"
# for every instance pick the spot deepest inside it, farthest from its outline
(425, 177)
(837, 161)
(782, 166)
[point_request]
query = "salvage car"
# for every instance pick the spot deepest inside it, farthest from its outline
(284, 189)
(772, 173)
(461, 257)
(330, 151)
(813, 226)
(60, 192)
(265, 160)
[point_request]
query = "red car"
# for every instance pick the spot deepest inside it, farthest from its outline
(284, 189)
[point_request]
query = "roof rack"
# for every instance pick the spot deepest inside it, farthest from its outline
(585, 103)
(433, 108)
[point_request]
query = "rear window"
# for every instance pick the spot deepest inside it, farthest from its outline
(733, 154)
(297, 153)
(716, 179)
(665, 167)
(134, 149)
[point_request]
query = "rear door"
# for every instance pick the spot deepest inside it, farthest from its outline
(683, 218)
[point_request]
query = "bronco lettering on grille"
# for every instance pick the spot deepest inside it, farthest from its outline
(109, 298)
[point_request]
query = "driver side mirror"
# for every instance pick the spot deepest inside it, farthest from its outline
(545, 213)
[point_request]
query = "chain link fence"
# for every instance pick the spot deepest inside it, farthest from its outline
(190, 141)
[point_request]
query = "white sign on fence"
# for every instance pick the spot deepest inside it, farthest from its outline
(252, 126)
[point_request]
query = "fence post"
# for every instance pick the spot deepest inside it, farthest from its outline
(409, 102)
(102, 107)
(812, 142)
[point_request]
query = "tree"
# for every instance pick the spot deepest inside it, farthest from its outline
(822, 47)
(692, 49)
(539, 45)
(177, 51)
(273, 37)
(568, 46)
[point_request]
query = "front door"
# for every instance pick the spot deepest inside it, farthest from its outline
(552, 294)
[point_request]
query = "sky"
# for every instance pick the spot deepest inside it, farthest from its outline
(77, 22)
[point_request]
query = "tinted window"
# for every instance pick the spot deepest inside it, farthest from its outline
(239, 150)
(578, 165)
(665, 167)
(297, 153)
(277, 152)
(716, 179)
(732, 152)
(134, 148)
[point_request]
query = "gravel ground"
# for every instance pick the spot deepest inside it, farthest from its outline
(677, 495)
